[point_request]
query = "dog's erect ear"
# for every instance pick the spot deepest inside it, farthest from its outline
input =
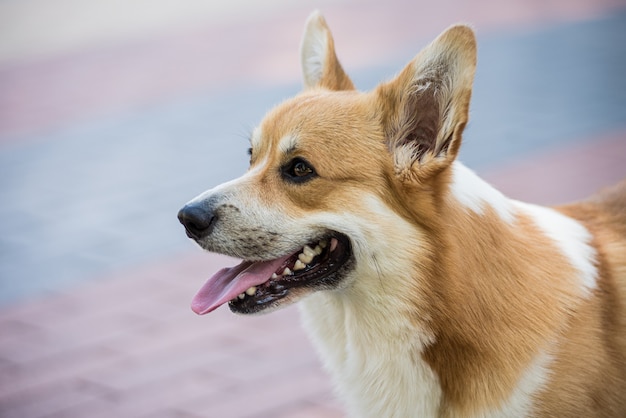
(426, 107)
(320, 66)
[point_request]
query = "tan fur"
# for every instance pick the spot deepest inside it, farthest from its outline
(485, 296)
(462, 303)
(590, 371)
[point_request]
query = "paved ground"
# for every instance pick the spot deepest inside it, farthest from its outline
(113, 115)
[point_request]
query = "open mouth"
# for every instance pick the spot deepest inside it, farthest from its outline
(251, 287)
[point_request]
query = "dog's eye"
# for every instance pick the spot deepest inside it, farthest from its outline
(298, 170)
(301, 169)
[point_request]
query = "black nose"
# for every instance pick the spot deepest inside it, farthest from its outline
(197, 220)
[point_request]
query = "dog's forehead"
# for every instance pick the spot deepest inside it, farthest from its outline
(315, 116)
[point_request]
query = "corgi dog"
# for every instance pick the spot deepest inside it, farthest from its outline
(426, 292)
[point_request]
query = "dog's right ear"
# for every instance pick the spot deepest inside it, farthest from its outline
(320, 66)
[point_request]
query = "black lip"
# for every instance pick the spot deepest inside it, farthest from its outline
(325, 275)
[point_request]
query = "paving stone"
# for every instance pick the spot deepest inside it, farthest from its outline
(257, 399)
(39, 401)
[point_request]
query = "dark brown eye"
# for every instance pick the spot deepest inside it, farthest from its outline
(298, 170)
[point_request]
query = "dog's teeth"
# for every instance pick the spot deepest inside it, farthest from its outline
(251, 291)
(274, 276)
(287, 272)
(299, 265)
(305, 258)
(308, 251)
(323, 244)
(242, 296)
(318, 250)
(333, 244)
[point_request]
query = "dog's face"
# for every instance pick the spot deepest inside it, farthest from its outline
(331, 170)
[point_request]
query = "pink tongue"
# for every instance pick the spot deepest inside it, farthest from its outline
(228, 283)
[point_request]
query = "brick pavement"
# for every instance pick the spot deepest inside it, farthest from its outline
(99, 147)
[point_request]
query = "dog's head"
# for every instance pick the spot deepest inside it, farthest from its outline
(342, 185)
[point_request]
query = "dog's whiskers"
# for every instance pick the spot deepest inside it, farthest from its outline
(378, 272)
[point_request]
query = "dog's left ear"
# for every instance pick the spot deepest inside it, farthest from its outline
(320, 66)
(426, 107)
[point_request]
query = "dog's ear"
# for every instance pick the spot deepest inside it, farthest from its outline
(426, 107)
(320, 66)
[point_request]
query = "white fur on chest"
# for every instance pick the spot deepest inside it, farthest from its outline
(377, 367)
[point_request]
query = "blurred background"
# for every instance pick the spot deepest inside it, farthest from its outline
(115, 113)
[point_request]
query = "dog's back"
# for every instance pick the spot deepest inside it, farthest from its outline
(604, 214)
(606, 209)
(593, 352)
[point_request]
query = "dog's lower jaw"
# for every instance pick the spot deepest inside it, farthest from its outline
(367, 357)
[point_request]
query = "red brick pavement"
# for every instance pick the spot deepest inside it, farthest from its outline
(129, 346)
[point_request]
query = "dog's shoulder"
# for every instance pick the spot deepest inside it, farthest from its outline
(604, 211)
(604, 215)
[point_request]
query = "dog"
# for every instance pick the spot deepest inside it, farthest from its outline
(427, 292)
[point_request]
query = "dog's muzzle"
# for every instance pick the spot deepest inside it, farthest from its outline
(198, 220)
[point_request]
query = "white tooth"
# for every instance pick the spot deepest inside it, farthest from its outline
(299, 265)
(287, 272)
(274, 276)
(305, 258)
(323, 244)
(241, 296)
(251, 291)
(318, 250)
(308, 251)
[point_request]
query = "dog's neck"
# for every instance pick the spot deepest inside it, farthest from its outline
(468, 346)
(367, 356)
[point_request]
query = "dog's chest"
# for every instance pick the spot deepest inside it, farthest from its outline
(376, 365)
